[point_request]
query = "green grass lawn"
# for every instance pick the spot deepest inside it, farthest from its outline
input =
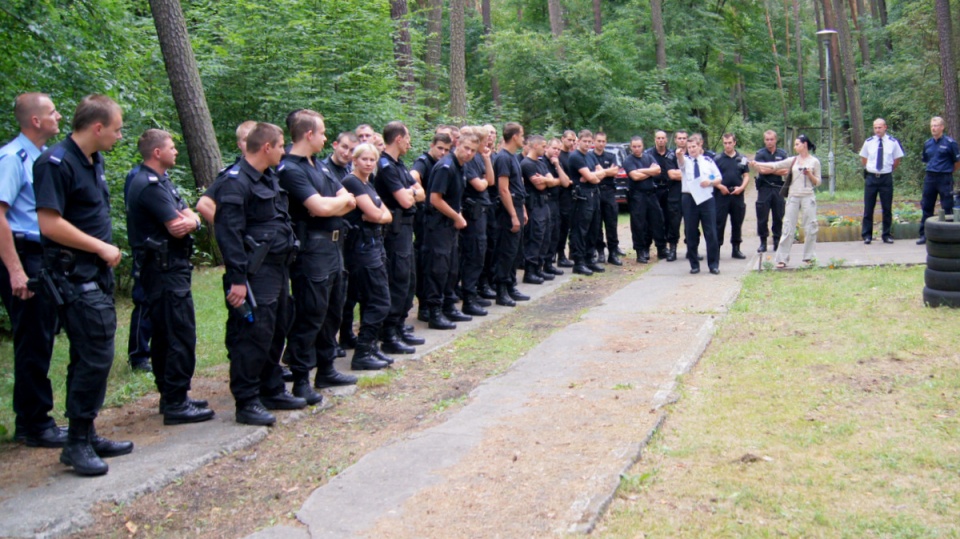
(125, 385)
(828, 405)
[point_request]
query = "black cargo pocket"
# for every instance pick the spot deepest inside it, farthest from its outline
(99, 316)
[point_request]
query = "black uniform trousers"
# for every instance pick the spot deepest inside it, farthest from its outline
(34, 324)
(369, 284)
(441, 261)
(882, 185)
(552, 240)
(609, 213)
(253, 347)
(646, 220)
(565, 207)
(935, 184)
(769, 201)
(508, 244)
(170, 309)
(493, 238)
(138, 343)
(398, 243)
(318, 311)
(536, 235)
(669, 199)
(736, 208)
(90, 320)
(586, 216)
(696, 216)
(418, 237)
(473, 249)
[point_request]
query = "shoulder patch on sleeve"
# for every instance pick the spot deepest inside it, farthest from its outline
(282, 166)
(384, 162)
(56, 156)
(23, 155)
(152, 178)
(234, 171)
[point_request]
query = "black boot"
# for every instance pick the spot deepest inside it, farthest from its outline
(105, 448)
(763, 245)
(614, 259)
(530, 275)
(672, 252)
(423, 314)
(736, 253)
(252, 412)
(408, 337)
(284, 373)
(472, 308)
(620, 252)
(550, 268)
(348, 341)
(327, 376)
(544, 274)
(481, 302)
(662, 252)
(78, 451)
(643, 256)
(485, 291)
(302, 389)
(503, 296)
(595, 267)
(282, 400)
(391, 342)
(438, 321)
(563, 261)
(776, 243)
(184, 412)
(581, 269)
(517, 295)
(364, 360)
(377, 353)
(454, 315)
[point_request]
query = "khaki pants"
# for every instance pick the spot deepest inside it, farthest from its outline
(807, 208)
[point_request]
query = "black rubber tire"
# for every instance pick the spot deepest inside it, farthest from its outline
(945, 281)
(943, 250)
(940, 298)
(943, 264)
(942, 231)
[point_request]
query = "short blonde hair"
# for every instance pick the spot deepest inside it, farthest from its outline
(364, 148)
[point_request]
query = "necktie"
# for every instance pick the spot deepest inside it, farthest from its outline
(880, 156)
(696, 168)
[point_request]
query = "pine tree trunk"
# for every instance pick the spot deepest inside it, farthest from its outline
(856, 8)
(402, 51)
(433, 56)
(948, 68)
(556, 17)
(458, 61)
(597, 22)
(187, 90)
(487, 30)
(850, 76)
(659, 36)
(776, 59)
(836, 72)
(882, 9)
(800, 90)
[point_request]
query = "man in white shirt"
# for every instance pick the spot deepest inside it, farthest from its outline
(880, 156)
(700, 176)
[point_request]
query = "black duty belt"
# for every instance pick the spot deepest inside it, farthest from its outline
(332, 235)
(23, 245)
(877, 176)
(607, 186)
(281, 258)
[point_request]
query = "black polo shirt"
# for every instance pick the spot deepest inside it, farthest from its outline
(65, 181)
(606, 160)
(528, 169)
(423, 165)
(505, 164)
(732, 169)
(303, 180)
(473, 169)
(632, 163)
(336, 170)
(579, 160)
(940, 155)
(446, 179)
(546, 167)
(392, 176)
(667, 162)
(764, 156)
(151, 201)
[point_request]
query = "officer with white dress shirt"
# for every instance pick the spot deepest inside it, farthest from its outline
(880, 156)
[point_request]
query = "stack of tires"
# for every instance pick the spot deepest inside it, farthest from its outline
(942, 277)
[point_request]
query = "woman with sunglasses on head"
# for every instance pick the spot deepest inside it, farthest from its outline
(801, 199)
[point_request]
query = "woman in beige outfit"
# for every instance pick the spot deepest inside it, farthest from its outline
(801, 200)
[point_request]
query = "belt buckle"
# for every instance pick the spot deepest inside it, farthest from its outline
(335, 235)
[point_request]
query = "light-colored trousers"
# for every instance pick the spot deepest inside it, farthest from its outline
(797, 206)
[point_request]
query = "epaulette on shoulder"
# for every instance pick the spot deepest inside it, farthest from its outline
(708, 158)
(234, 171)
(281, 166)
(893, 139)
(23, 155)
(873, 137)
(384, 162)
(56, 156)
(153, 178)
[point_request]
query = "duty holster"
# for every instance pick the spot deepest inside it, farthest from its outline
(473, 209)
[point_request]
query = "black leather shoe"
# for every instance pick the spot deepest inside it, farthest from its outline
(672, 253)
(736, 253)
(377, 353)
(643, 256)
(409, 338)
(715, 271)
(51, 437)
(503, 297)
(397, 346)
(330, 377)
(367, 362)
(517, 295)
(580, 269)
(620, 252)
(662, 253)
(302, 389)
(614, 259)
(695, 270)
(285, 373)
(550, 268)
(867, 241)
(80, 455)
(763, 246)
(888, 239)
(141, 366)
(546, 276)
(253, 413)
(438, 321)
(486, 292)
(529, 277)
(197, 403)
(565, 263)
(423, 314)
(283, 401)
(184, 412)
(922, 241)
(105, 448)
(482, 302)
(455, 315)
(596, 268)
(473, 309)
(339, 351)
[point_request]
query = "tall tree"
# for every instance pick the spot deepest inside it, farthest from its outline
(597, 22)
(857, 12)
(948, 68)
(187, 90)
(458, 60)
(488, 30)
(556, 16)
(837, 84)
(433, 55)
(776, 59)
(659, 36)
(882, 9)
(850, 75)
(402, 51)
(800, 90)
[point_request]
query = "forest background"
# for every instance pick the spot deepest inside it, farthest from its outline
(627, 67)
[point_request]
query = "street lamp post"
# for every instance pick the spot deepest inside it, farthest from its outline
(826, 123)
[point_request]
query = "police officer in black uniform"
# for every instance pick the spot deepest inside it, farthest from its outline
(477, 175)
(565, 199)
(668, 193)
(586, 211)
(159, 225)
(338, 165)
(646, 217)
(400, 192)
(486, 287)
(550, 164)
(441, 227)
(609, 210)
(420, 171)
(769, 200)
(256, 238)
(511, 216)
(537, 236)
(33, 317)
(73, 209)
(728, 196)
(317, 202)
